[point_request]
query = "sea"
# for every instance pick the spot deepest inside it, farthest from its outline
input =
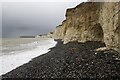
(15, 52)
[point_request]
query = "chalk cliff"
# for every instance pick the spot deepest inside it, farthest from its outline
(92, 21)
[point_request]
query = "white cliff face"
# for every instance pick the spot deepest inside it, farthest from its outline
(49, 35)
(110, 22)
(92, 21)
(59, 32)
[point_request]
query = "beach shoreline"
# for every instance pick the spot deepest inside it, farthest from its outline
(13, 60)
(71, 60)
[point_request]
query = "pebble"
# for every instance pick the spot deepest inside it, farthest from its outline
(59, 63)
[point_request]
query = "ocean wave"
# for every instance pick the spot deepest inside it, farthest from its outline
(10, 62)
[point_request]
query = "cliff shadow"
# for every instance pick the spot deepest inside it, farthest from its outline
(97, 32)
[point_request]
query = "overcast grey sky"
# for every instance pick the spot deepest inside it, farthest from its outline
(0, 19)
(32, 18)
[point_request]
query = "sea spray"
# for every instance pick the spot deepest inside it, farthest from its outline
(10, 62)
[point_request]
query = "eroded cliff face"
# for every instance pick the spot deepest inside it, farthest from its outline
(60, 31)
(92, 21)
(110, 22)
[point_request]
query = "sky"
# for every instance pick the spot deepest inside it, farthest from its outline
(26, 18)
(0, 19)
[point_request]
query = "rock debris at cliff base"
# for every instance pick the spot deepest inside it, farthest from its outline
(71, 60)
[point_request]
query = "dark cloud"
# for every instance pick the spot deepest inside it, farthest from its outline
(28, 18)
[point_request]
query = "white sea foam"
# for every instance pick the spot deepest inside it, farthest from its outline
(10, 62)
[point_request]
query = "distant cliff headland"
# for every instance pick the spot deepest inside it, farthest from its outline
(26, 36)
(49, 35)
(92, 21)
